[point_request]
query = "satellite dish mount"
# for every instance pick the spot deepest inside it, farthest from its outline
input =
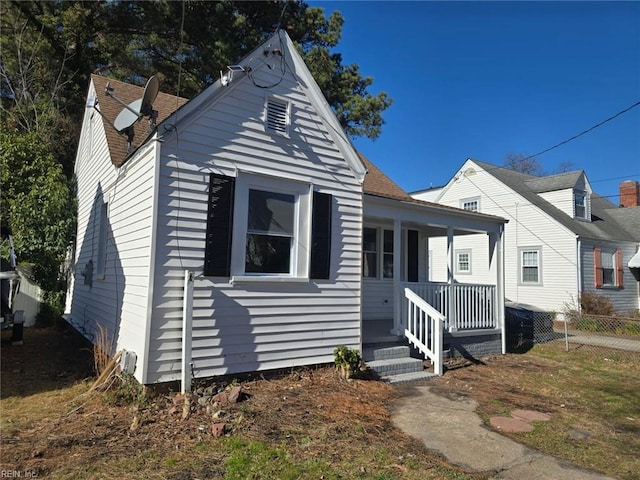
(132, 113)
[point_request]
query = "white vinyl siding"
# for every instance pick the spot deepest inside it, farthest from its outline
(118, 243)
(249, 325)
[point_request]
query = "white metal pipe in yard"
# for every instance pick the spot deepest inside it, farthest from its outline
(187, 327)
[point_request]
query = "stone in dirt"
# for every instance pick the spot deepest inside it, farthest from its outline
(234, 394)
(510, 424)
(217, 429)
(530, 415)
(220, 398)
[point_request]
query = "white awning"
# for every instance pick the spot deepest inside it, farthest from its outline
(635, 260)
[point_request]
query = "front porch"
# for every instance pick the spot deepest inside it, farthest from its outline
(471, 309)
(432, 278)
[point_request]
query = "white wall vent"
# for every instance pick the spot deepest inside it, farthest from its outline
(278, 116)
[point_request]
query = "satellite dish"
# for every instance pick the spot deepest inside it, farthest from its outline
(134, 111)
(128, 116)
(150, 93)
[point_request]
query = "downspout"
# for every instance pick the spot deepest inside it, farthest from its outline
(500, 287)
(187, 328)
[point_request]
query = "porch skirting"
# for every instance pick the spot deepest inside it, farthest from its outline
(471, 346)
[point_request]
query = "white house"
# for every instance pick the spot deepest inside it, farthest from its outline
(562, 238)
(228, 236)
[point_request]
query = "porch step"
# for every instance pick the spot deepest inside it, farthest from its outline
(395, 366)
(386, 353)
(413, 377)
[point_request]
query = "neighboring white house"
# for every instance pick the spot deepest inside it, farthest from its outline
(562, 238)
(228, 237)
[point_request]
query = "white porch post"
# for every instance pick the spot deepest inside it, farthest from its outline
(397, 264)
(496, 267)
(500, 288)
(453, 321)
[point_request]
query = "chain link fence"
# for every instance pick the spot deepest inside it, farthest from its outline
(612, 337)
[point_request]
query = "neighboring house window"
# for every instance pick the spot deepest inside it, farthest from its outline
(471, 204)
(258, 226)
(278, 115)
(374, 260)
(580, 204)
(463, 261)
(608, 267)
(370, 253)
(103, 230)
(530, 265)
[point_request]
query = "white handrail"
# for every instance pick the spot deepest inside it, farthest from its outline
(424, 327)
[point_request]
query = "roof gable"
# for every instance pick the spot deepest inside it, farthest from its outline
(279, 44)
(109, 109)
(603, 226)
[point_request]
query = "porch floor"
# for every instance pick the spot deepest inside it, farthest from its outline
(378, 331)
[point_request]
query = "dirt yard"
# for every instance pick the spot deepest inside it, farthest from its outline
(315, 425)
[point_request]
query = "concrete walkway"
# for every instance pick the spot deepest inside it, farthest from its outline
(451, 427)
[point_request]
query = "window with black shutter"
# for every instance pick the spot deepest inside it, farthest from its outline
(217, 261)
(321, 236)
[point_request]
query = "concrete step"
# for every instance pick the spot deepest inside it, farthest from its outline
(386, 353)
(413, 377)
(395, 366)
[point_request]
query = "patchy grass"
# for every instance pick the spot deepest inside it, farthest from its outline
(304, 424)
(594, 402)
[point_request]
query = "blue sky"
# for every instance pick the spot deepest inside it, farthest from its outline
(483, 79)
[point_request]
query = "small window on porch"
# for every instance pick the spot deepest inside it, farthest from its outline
(370, 253)
(377, 253)
(463, 261)
(387, 257)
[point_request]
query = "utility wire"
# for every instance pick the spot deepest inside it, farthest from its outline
(582, 133)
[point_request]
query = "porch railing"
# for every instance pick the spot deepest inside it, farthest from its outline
(424, 328)
(473, 306)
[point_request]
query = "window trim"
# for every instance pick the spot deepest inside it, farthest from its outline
(470, 200)
(380, 253)
(585, 198)
(617, 267)
(521, 252)
(299, 260)
(466, 251)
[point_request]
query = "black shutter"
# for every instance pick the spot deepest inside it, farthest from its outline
(217, 253)
(412, 255)
(321, 236)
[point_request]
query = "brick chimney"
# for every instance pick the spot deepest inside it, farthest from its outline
(630, 193)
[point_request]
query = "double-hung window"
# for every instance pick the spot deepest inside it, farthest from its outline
(370, 253)
(530, 265)
(463, 261)
(580, 205)
(376, 261)
(608, 267)
(262, 227)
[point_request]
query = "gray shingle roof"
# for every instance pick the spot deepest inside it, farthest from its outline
(606, 221)
(551, 183)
